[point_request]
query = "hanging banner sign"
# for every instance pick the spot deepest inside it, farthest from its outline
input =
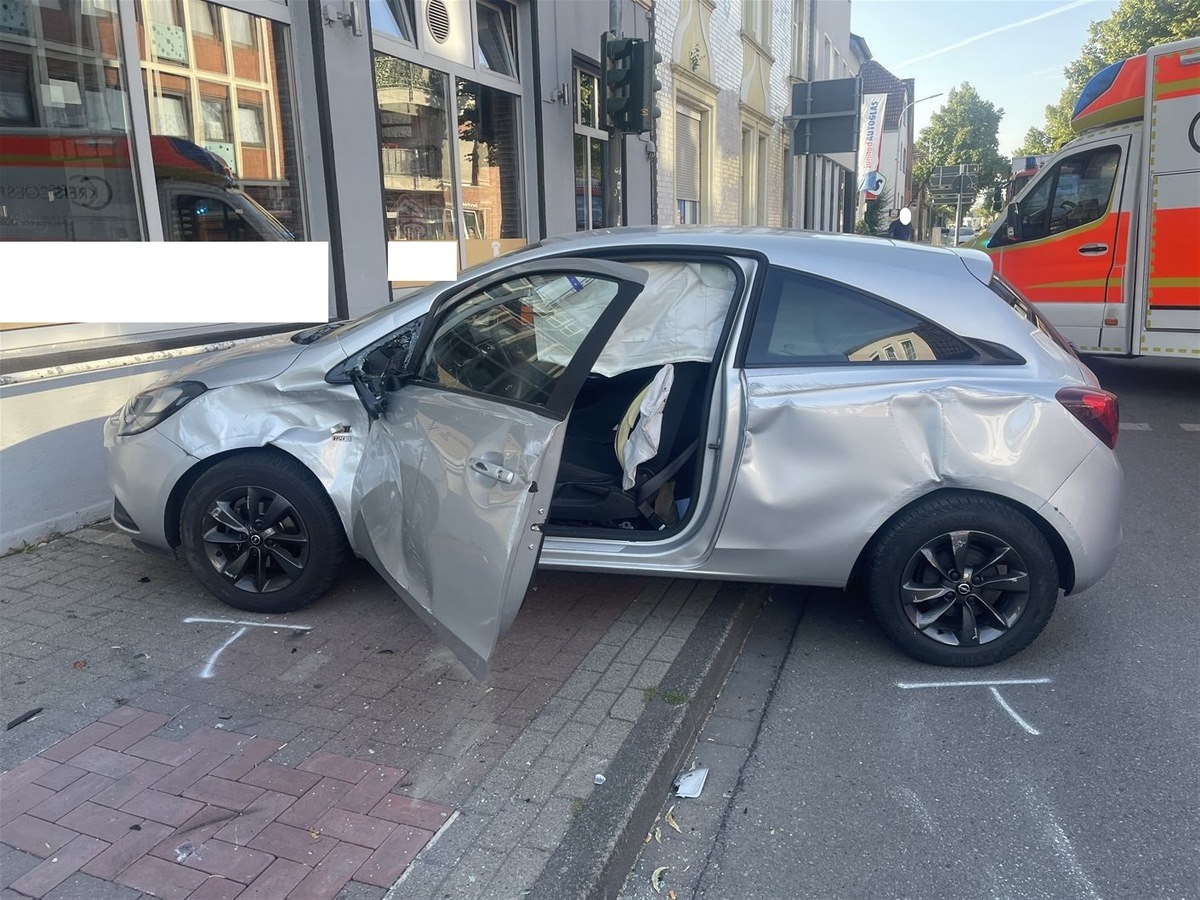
(870, 144)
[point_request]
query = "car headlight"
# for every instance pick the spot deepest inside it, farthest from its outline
(147, 409)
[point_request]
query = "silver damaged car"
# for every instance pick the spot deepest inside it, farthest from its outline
(717, 403)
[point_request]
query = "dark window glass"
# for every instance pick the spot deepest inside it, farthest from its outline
(211, 219)
(1081, 187)
(515, 339)
(803, 320)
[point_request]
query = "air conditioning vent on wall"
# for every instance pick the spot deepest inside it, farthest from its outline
(444, 29)
(438, 19)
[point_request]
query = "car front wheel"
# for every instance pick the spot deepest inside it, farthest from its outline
(962, 581)
(261, 533)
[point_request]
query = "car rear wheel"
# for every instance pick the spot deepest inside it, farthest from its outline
(962, 581)
(261, 533)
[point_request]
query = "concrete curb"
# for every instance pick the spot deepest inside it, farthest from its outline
(602, 843)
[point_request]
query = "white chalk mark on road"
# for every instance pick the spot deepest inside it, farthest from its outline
(191, 619)
(912, 685)
(207, 672)
(1190, 426)
(1012, 712)
(1062, 845)
(1136, 426)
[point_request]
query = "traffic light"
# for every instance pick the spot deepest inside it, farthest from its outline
(645, 86)
(617, 54)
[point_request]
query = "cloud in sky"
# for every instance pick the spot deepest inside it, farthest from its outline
(986, 34)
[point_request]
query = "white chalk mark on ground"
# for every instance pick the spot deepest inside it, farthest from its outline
(1189, 426)
(1062, 845)
(191, 619)
(912, 685)
(1135, 426)
(1012, 712)
(207, 672)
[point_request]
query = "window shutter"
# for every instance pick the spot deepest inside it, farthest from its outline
(687, 157)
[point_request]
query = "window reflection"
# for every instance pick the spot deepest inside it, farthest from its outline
(414, 129)
(218, 87)
(496, 51)
(66, 170)
(489, 168)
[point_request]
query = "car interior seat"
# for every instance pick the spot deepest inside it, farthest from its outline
(589, 489)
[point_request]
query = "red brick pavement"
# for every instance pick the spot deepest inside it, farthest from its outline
(208, 816)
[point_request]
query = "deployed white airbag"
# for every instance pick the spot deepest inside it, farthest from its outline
(645, 432)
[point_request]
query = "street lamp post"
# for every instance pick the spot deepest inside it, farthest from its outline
(896, 170)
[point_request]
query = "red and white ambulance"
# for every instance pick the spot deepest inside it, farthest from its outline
(1105, 237)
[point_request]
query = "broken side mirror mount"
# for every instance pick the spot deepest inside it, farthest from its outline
(369, 390)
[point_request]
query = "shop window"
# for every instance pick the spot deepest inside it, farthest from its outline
(68, 172)
(393, 18)
(489, 169)
(496, 48)
(590, 142)
(414, 129)
(251, 162)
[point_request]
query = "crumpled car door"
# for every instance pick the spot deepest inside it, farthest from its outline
(457, 472)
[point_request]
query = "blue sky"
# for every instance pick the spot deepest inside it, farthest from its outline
(1018, 68)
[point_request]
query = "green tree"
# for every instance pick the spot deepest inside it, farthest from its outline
(875, 212)
(964, 130)
(1132, 28)
(1036, 143)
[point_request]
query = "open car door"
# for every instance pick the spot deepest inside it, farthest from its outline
(456, 477)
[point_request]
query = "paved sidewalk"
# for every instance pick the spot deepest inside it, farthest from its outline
(186, 750)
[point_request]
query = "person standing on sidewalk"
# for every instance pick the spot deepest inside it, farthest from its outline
(901, 228)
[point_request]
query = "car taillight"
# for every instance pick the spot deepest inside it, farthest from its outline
(1096, 409)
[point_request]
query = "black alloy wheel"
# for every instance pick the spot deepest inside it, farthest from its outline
(261, 533)
(255, 538)
(965, 588)
(962, 580)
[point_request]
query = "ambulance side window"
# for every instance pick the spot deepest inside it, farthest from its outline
(1074, 192)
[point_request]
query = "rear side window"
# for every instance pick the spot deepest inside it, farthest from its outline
(803, 320)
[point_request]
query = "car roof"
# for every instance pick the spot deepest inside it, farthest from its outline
(936, 282)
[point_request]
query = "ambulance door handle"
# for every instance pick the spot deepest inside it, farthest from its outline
(1093, 249)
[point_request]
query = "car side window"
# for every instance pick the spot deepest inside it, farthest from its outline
(1074, 192)
(804, 320)
(514, 339)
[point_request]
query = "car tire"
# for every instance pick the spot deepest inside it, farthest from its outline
(962, 581)
(261, 533)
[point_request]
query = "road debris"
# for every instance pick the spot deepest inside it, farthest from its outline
(599, 779)
(669, 818)
(690, 784)
(21, 719)
(656, 878)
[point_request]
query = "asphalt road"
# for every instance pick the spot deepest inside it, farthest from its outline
(1080, 781)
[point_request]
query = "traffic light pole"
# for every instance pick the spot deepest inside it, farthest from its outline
(616, 211)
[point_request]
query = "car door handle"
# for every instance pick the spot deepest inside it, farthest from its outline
(491, 470)
(1093, 249)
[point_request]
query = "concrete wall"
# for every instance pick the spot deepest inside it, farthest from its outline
(51, 459)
